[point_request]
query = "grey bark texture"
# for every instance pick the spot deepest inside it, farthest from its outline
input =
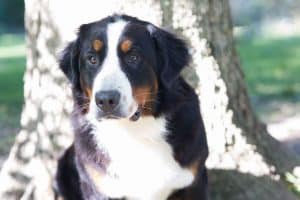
(245, 162)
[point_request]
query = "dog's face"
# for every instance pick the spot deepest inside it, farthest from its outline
(118, 65)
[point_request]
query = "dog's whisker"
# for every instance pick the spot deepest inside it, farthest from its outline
(148, 108)
(82, 97)
(151, 101)
(144, 93)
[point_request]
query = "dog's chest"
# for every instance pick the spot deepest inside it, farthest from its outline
(142, 164)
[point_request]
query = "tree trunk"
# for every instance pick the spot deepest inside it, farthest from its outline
(245, 161)
(28, 172)
(242, 153)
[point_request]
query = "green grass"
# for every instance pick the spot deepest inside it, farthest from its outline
(12, 66)
(271, 66)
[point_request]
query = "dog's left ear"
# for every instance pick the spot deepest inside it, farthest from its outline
(173, 53)
(68, 62)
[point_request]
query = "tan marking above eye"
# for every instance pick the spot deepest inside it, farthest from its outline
(126, 45)
(97, 45)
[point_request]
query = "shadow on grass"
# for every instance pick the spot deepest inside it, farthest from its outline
(233, 185)
(11, 100)
(11, 83)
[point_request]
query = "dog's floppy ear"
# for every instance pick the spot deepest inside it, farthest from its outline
(69, 61)
(173, 54)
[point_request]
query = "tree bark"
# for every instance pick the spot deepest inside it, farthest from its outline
(245, 161)
(28, 172)
(241, 150)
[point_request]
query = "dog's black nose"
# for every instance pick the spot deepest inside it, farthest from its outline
(107, 101)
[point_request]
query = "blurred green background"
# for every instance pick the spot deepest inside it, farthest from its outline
(267, 40)
(12, 66)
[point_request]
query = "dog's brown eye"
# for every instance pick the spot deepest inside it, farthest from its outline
(93, 60)
(133, 59)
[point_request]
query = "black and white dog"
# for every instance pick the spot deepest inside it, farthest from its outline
(138, 129)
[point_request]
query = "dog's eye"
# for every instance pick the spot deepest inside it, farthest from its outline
(132, 59)
(92, 60)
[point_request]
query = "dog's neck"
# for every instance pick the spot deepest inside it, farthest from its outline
(146, 127)
(132, 147)
(90, 134)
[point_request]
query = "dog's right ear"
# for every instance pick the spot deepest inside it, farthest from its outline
(172, 53)
(69, 61)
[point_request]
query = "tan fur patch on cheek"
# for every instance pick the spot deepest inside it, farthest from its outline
(86, 89)
(141, 94)
(126, 45)
(144, 96)
(88, 94)
(84, 86)
(194, 168)
(97, 45)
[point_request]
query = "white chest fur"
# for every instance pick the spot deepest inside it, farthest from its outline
(142, 164)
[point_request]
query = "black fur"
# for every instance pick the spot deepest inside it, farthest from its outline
(68, 177)
(164, 56)
(173, 55)
(69, 62)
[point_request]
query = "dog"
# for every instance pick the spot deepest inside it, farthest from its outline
(138, 129)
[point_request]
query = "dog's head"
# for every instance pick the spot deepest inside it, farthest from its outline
(118, 65)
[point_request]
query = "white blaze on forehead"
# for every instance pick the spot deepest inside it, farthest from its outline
(110, 75)
(111, 64)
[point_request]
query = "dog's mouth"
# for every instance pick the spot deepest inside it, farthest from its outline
(136, 115)
(115, 116)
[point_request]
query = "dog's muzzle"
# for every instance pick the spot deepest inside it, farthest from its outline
(109, 106)
(108, 103)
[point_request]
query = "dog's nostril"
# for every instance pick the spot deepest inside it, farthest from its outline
(100, 102)
(111, 102)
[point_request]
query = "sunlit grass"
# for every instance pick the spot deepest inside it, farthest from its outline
(271, 66)
(9, 40)
(12, 51)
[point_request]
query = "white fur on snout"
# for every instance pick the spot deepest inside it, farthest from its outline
(111, 77)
